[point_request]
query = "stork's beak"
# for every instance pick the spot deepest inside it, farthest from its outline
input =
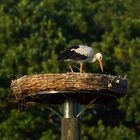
(101, 64)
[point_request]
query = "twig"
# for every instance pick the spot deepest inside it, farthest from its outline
(59, 114)
(86, 107)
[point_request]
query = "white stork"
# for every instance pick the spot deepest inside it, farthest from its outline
(81, 54)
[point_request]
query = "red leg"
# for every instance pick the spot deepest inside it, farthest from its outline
(81, 67)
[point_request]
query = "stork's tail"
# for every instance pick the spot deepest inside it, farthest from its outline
(64, 56)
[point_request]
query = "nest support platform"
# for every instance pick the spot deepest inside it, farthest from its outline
(81, 87)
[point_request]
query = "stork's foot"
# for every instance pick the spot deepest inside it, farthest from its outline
(71, 70)
(82, 71)
(70, 73)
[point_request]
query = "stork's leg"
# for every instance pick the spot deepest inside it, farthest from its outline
(71, 69)
(81, 67)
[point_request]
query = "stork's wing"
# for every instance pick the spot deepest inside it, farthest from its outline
(71, 54)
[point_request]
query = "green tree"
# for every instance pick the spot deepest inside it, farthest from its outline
(32, 33)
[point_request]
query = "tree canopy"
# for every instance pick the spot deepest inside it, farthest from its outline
(33, 33)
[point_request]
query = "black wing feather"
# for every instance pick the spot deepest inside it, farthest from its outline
(68, 54)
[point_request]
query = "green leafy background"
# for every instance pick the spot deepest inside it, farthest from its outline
(33, 33)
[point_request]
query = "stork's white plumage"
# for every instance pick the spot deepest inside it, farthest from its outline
(81, 54)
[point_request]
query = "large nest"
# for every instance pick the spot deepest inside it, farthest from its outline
(56, 88)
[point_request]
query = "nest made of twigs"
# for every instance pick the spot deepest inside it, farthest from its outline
(55, 88)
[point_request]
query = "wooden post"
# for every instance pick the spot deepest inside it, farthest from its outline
(70, 129)
(70, 125)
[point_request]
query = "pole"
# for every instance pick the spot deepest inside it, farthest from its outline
(70, 124)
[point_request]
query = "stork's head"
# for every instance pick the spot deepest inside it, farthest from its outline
(99, 58)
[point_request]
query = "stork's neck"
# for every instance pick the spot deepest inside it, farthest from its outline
(94, 58)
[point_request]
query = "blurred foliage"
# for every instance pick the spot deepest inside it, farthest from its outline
(32, 33)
